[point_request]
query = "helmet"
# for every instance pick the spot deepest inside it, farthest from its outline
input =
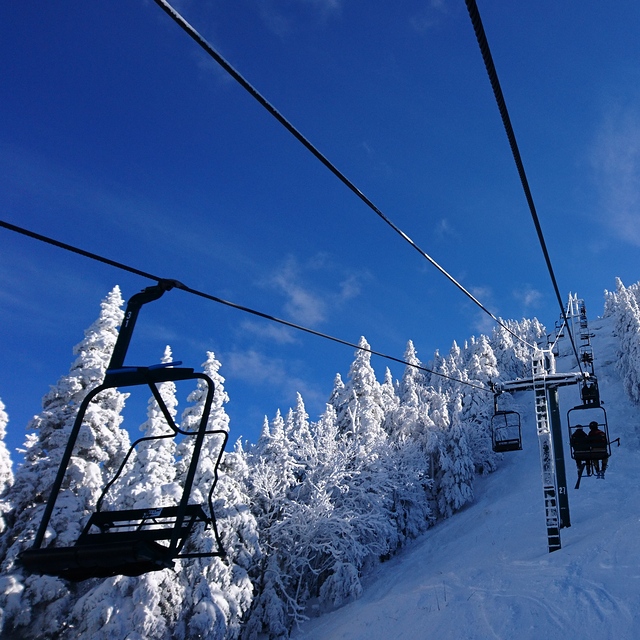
(593, 425)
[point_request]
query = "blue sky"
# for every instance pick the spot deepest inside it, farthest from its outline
(119, 135)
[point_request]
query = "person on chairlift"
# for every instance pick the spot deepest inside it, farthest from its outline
(580, 444)
(598, 441)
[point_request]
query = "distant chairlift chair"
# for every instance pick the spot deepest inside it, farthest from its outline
(506, 432)
(133, 541)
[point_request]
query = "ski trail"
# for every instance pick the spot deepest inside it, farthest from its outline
(486, 573)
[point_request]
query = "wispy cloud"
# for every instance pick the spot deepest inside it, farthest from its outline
(350, 287)
(444, 229)
(284, 20)
(257, 369)
(269, 331)
(211, 68)
(616, 163)
(254, 367)
(528, 297)
(325, 6)
(429, 15)
(483, 294)
(310, 289)
(484, 323)
(301, 304)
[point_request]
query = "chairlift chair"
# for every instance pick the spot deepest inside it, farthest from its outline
(590, 394)
(581, 417)
(588, 454)
(506, 433)
(132, 541)
(586, 356)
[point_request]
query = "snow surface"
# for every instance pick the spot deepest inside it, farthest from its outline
(486, 572)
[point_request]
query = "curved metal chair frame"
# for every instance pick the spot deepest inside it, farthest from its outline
(131, 541)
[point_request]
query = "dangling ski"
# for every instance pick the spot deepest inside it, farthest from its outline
(580, 470)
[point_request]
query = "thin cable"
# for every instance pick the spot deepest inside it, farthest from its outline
(474, 14)
(176, 17)
(208, 296)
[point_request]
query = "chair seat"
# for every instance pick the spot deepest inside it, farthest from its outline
(125, 543)
(80, 562)
(593, 454)
(507, 445)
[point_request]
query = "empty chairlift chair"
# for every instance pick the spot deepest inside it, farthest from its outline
(132, 541)
(506, 432)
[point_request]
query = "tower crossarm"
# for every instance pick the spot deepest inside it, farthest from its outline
(550, 380)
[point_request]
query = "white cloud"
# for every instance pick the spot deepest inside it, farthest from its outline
(211, 68)
(325, 6)
(429, 16)
(444, 229)
(528, 296)
(304, 302)
(257, 369)
(484, 324)
(302, 305)
(616, 163)
(483, 294)
(269, 331)
(275, 20)
(283, 21)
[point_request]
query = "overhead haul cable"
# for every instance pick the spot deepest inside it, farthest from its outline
(481, 36)
(207, 296)
(200, 40)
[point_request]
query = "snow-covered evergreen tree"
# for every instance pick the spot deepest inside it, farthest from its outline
(625, 307)
(361, 412)
(6, 476)
(37, 606)
(477, 403)
(150, 480)
(411, 418)
(202, 597)
(390, 400)
(318, 495)
(272, 475)
(302, 447)
(513, 355)
(273, 470)
(140, 607)
(454, 467)
(147, 606)
(504, 348)
(218, 591)
(332, 523)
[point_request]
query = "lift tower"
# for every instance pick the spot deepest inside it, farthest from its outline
(544, 383)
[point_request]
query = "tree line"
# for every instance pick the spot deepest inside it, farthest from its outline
(304, 513)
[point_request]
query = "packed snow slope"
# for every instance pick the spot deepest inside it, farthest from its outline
(486, 572)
